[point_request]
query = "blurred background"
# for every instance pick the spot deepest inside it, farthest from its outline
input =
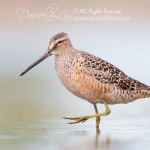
(32, 106)
(121, 36)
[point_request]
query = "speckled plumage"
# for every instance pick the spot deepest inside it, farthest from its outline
(91, 77)
(94, 79)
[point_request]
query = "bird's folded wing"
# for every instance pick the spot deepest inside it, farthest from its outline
(107, 73)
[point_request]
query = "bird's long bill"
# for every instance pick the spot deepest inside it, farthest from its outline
(44, 56)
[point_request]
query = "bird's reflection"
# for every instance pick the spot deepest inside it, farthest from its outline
(97, 136)
(90, 142)
(104, 142)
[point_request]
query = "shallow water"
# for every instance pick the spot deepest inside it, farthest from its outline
(56, 134)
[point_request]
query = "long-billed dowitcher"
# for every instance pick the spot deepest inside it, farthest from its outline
(91, 78)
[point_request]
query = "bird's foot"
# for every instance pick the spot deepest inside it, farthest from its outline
(77, 119)
(97, 115)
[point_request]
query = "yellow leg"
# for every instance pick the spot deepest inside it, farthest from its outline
(97, 118)
(84, 118)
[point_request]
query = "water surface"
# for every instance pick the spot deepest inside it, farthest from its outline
(56, 134)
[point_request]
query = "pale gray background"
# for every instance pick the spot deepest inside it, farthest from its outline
(39, 94)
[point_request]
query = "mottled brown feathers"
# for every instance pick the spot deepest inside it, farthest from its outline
(107, 73)
(93, 78)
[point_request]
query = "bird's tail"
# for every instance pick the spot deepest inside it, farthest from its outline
(146, 93)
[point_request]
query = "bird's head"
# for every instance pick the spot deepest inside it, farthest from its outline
(57, 45)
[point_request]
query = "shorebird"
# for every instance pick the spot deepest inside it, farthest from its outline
(91, 78)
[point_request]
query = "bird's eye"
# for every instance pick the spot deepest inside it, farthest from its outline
(59, 42)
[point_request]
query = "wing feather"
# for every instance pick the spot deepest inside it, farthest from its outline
(107, 73)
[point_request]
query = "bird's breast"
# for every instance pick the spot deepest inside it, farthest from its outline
(73, 77)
